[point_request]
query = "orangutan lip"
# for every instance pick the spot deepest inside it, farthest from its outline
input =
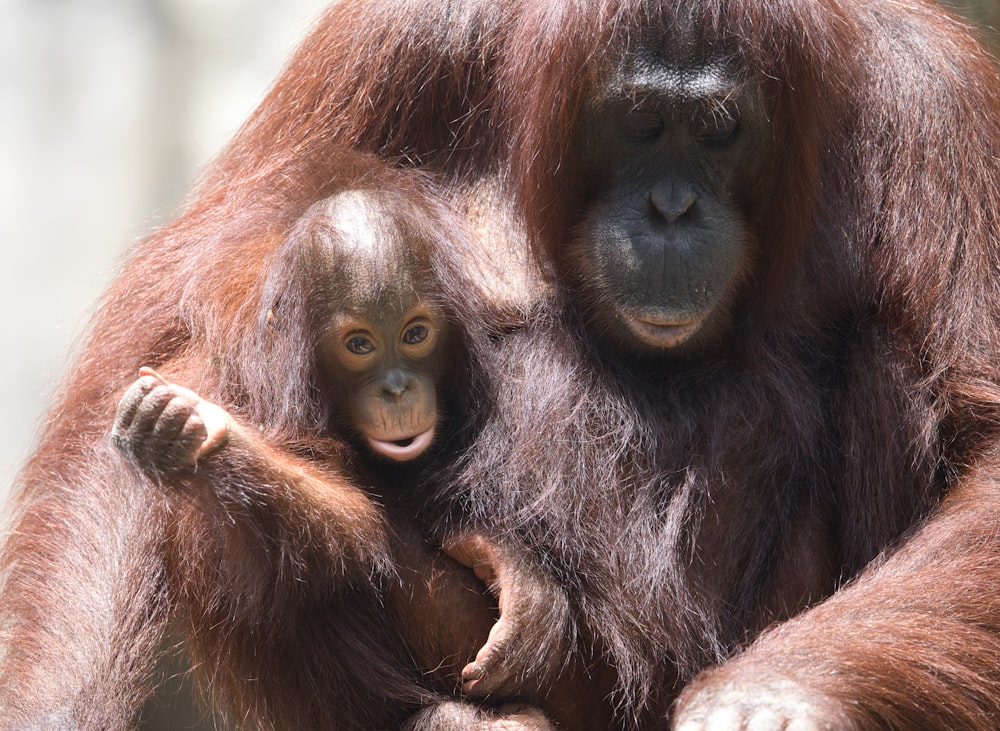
(660, 331)
(403, 449)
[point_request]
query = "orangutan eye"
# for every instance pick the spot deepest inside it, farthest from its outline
(416, 334)
(718, 128)
(360, 345)
(642, 124)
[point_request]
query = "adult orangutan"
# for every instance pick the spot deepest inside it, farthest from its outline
(764, 393)
(760, 427)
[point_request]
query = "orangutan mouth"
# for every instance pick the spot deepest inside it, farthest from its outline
(661, 331)
(404, 449)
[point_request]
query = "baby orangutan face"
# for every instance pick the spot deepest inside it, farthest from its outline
(389, 366)
(382, 336)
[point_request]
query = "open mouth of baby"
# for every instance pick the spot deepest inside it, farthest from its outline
(403, 449)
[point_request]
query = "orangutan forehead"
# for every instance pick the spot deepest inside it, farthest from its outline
(372, 229)
(365, 224)
(367, 253)
(677, 82)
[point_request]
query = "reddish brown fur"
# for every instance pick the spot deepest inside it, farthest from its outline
(259, 574)
(292, 586)
(862, 386)
(284, 570)
(722, 493)
(86, 567)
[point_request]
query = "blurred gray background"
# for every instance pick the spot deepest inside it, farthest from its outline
(107, 110)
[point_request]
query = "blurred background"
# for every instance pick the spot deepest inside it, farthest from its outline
(108, 108)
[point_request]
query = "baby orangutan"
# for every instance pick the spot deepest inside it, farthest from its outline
(297, 557)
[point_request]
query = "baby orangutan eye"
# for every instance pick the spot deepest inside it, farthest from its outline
(416, 334)
(360, 345)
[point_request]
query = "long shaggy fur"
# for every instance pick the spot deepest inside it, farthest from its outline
(843, 442)
(96, 562)
(689, 504)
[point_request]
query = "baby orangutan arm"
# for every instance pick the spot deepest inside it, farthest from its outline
(169, 431)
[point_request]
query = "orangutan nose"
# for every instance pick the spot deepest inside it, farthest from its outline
(672, 203)
(395, 384)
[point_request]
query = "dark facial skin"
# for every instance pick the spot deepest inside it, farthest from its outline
(387, 367)
(665, 245)
(383, 347)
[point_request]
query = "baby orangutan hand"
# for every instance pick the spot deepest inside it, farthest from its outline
(165, 428)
